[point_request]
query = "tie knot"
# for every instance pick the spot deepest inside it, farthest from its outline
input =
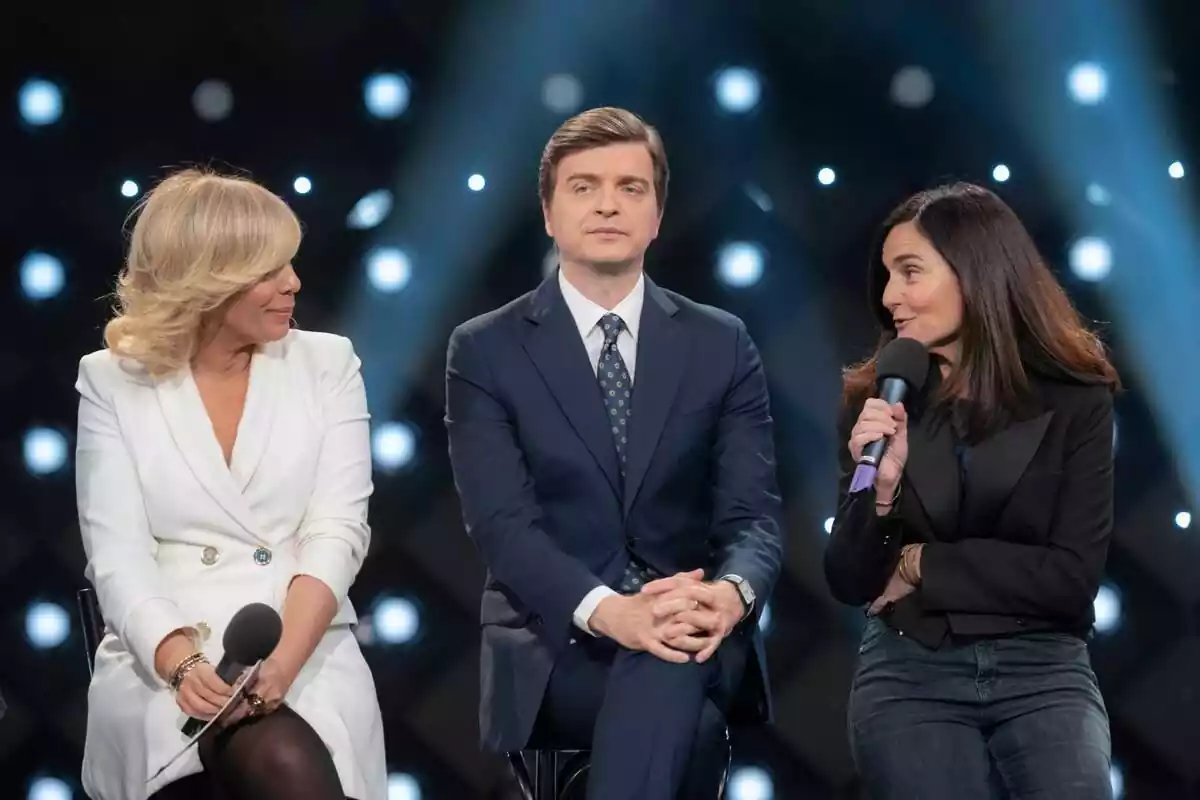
(611, 324)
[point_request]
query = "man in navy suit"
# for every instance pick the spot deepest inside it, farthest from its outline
(612, 449)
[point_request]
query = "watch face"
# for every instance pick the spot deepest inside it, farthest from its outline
(747, 592)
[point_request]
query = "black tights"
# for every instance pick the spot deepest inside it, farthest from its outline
(274, 757)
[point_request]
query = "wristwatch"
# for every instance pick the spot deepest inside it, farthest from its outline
(745, 591)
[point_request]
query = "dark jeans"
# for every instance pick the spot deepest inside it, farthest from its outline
(1018, 717)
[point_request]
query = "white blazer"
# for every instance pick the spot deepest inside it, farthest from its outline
(177, 539)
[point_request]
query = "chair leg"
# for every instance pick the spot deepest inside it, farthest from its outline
(728, 764)
(571, 773)
(547, 775)
(91, 622)
(520, 772)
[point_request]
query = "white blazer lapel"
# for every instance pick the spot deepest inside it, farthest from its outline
(192, 432)
(258, 416)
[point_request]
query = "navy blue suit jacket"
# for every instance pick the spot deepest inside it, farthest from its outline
(536, 471)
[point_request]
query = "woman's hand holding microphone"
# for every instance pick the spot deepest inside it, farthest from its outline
(876, 421)
(201, 693)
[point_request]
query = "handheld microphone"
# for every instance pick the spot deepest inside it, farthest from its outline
(251, 636)
(903, 367)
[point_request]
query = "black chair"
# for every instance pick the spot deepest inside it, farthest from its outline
(555, 774)
(548, 774)
(92, 622)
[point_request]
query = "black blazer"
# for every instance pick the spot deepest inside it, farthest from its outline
(1020, 547)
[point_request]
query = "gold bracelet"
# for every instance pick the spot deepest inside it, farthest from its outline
(892, 502)
(909, 570)
(183, 668)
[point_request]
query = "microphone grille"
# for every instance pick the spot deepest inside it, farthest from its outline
(253, 633)
(906, 359)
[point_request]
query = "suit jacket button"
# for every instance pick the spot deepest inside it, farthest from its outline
(262, 556)
(1021, 622)
(209, 556)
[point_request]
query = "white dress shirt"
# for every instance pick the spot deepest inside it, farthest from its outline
(587, 317)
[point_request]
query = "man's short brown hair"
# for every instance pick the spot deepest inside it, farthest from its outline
(599, 127)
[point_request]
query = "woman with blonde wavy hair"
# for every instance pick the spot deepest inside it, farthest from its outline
(223, 459)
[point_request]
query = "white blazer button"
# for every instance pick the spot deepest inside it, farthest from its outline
(262, 556)
(209, 557)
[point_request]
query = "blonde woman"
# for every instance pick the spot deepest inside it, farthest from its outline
(223, 459)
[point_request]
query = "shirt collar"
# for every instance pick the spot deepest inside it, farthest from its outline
(587, 314)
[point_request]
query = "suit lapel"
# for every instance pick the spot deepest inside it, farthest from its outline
(558, 353)
(192, 432)
(996, 464)
(661, 360)
(932, 471)
(258, 415)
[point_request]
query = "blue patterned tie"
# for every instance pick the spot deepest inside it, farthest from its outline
(615, 385)
(617, 390)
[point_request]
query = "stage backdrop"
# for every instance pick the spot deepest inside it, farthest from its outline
(407, 136)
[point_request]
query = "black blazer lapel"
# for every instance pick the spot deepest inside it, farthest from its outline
(932, 472)
(661, 359)
(996, 464)
(556, 348)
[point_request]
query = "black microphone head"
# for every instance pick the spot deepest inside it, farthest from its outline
(906, 359)
(252, 634)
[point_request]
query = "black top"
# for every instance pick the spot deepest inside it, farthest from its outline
(1016, 526)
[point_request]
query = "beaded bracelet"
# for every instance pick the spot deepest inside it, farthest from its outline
(183, 668)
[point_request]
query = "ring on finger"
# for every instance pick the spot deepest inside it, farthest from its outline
(256, 703)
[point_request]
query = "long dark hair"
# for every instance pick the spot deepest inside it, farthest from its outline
(1017, 319)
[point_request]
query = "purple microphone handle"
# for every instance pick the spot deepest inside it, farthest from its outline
(864, 478)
